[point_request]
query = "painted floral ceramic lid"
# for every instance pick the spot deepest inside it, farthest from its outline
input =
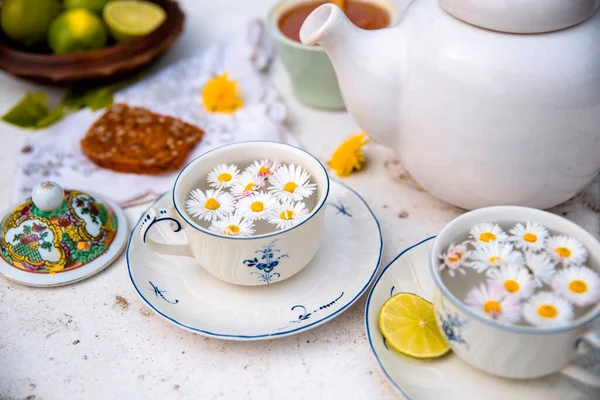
(60, 236)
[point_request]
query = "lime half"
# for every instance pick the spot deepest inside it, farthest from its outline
(407, 322)
(129, 19)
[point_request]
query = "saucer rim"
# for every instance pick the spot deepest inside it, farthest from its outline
(368, 303)
(266, 336)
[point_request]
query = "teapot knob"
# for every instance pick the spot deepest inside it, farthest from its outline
(48, 196)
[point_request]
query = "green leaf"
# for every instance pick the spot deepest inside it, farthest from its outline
(53, 117)
(29, 111)
(99, 98)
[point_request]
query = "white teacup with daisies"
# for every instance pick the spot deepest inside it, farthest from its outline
(262, 197)
(526, 280)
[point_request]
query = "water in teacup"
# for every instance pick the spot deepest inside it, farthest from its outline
(466, 279)
(261, 226)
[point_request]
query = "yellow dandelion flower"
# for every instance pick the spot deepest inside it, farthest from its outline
(349, 156)
(222, 95)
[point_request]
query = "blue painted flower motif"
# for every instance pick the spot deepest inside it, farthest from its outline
(306, 314)
(452, 326)
(341, 209)
(266, 263)
(158, 292)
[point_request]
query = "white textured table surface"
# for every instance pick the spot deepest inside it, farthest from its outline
(96, 339)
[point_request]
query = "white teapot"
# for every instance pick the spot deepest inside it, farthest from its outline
(487, 102)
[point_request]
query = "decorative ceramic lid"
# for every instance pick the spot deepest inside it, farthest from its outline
(60, 236)
(521, 16)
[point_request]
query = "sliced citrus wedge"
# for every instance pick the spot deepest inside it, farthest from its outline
(129, 19)
(407, 322)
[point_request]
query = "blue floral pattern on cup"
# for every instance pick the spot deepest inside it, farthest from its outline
(452, 326)
(269, 259)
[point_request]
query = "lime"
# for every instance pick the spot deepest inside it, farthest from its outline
(27, 21)
(76, 30)
(407, 323)
(129, 19)
(92, 5)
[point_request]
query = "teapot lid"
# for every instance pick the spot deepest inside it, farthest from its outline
(60, 236)
(521, 16)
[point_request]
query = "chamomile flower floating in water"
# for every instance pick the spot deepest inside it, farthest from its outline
(454, 258)
(579, 285)
(494, 254)
(566, 250)
(291, 182)
(486, 233)
(287, 214)
(222, 176)
(211, 205)
(492, 302)
(258, 205)
(513, 279)
(233, 225)
(547, 310)
(246, 184)
(263, 168)
(541, 267)
(530, 237)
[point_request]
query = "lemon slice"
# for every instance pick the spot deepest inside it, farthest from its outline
(407, 323)
(129, 19)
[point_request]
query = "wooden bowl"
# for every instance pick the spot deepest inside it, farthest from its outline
(101, 65)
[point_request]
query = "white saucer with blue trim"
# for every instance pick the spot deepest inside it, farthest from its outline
(448, 377)
(180, 291)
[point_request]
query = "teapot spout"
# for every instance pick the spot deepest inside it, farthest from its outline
(366, 63)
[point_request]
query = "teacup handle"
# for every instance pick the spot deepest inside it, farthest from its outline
(156, 215)
(590, 374)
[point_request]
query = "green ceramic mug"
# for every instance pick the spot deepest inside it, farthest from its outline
(313, 77)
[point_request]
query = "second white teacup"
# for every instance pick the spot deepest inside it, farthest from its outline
(255, 260)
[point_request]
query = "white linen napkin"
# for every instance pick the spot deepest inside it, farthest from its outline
(55, 153)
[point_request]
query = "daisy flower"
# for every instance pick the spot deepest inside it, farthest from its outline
(530, 237)
(579, 285)
(494, 255)
(290, 182)
(547, 310)
(211, 205)
(263, 168)
(258, 205)
(454, 258)
(486, 233)
(513, 279)
(567, 250)
(287, 214)
(491, 302)
(222, 176)
(246, 184)
(541, 268)
(233, 225)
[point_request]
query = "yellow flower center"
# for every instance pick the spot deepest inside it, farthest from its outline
(492, 306)
(578, 286)
(221, 95)
(530, 237)
(249, 187)
(454, 258)
(487, 237)
(211, 204)
(563, 252)
(495, 259)
(224, 177)
(511, 286)
(257, 206)
(287, 215)
(547, 311)
(263, 170)
(290, 187)
(232, 230)
(349, 157)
